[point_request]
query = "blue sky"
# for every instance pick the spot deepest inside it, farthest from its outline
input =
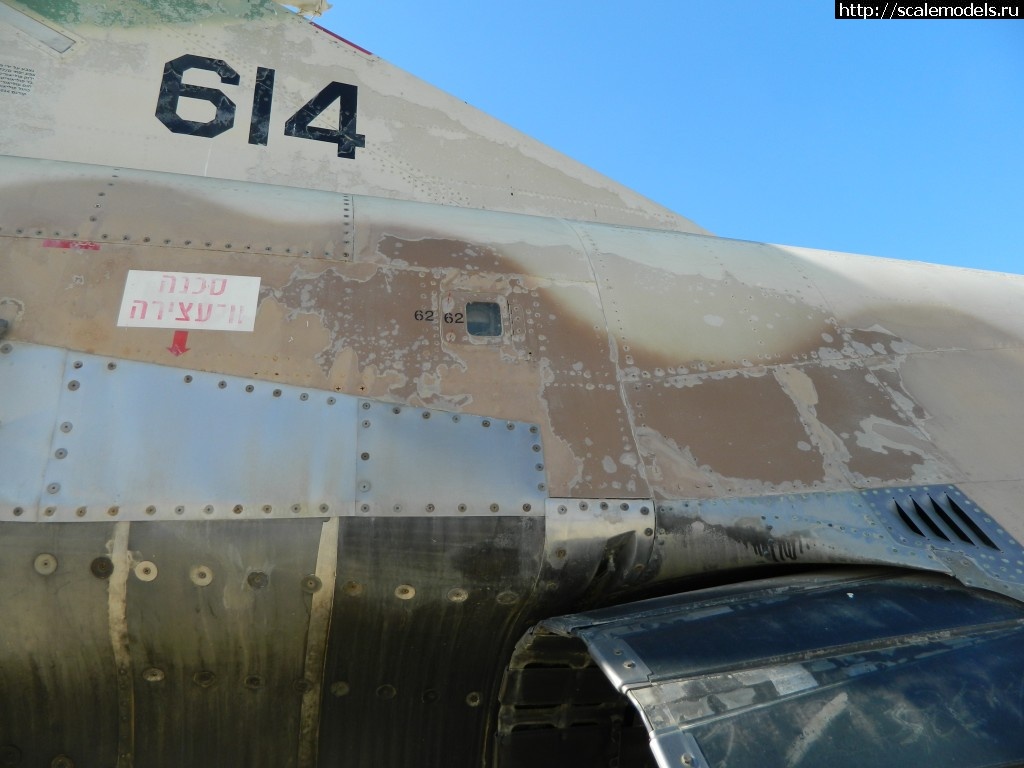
(759, 120)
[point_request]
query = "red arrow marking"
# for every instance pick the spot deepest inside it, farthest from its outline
(178, 345)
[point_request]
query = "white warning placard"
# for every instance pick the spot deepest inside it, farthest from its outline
(189, 301)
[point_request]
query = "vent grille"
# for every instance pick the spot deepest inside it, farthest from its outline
(938, 517)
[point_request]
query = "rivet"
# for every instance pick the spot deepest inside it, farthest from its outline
(73, 385)
(66, 427)
(311, 584)
(397, 509)
(150, 510)
(584, 506)
(237, 509)
(18, 511)
(222, 384)
(541, 486)
(366, 406)
(80, 512)
(339, 688)
(204, 678)
(188, 378)
(364, 456)
(386, 692)
(304, 396)
(533, 430)
(429, 696)
(302, 686)
(648, 532)
(426, 414)
(53, 488)
(208, 509)
(257, 580)
(366, 423)
(473, 699)
(457, 595)
(324, 509)
(179, 510)
(364, 507)
(462, 507)
(249, 387)
(145, 571)
(494, 507)
(604, 506)
(536, 448)
(102, 567)
(405, 592)
(527, 507)
(253, 682)
(152, 675)
(455, 418)
(430, 508)
(77, 364)
(539, 467)
(485, 423)
(331, 400)
(396, 410)
(507, 598)
(645, 511)
(113, 511)
(49, 511)
(352, 588)
(560, 553)
(201, 575)
(364, 486)
(111, 366)
(510, 426)
(267, 509)
(45, 564)
(562, 509)
(277, 393)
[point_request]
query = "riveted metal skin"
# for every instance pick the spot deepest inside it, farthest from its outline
(473, 391)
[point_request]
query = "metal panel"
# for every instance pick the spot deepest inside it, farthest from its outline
(912, 668)
(218, 629)
(29, 391)
(227, 447)
(597, 544)
(58, 676)
(705, 536)
(416, 461)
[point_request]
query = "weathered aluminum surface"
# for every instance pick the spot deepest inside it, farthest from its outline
(29, 393)
(418, 461)
(232, 448)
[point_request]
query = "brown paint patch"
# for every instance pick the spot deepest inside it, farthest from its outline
(376, 320)
(740, 426)
(881, 441)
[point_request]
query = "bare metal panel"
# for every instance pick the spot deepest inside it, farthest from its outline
(227, 448)
(57, 672)
(416, 461)
(220, 630)
(30, 380)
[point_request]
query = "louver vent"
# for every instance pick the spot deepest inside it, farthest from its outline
(938, 517)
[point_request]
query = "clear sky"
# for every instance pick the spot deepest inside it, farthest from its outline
(760, 120)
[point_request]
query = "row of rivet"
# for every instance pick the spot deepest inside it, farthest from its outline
(127, 238)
